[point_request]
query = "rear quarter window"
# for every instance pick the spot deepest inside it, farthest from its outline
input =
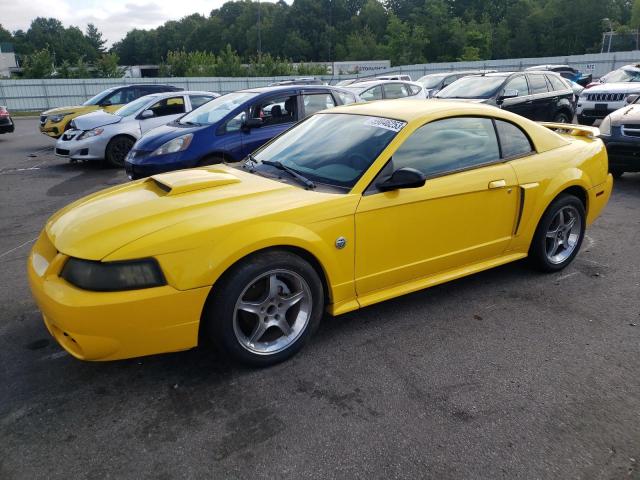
(513, 141)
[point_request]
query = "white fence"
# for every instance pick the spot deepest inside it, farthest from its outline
(38, 95)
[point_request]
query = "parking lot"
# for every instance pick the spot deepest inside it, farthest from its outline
(505, 374)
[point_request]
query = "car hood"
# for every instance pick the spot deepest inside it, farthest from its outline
(188, 201)
(162, 134)
(628, 115)
(74, 109)
(619, 87)
(96, 119)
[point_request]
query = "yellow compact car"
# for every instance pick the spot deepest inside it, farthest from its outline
(54, 122)
(350, 207)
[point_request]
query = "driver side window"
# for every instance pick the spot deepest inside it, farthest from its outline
(447, 146)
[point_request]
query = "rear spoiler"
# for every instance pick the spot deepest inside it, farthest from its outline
(573, 129)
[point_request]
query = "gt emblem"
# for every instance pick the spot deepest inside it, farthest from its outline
(340, 242)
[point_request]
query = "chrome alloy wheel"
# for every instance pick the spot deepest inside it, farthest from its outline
(272, 312)
(563, 234)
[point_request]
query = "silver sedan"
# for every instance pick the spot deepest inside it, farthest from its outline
(109, 136)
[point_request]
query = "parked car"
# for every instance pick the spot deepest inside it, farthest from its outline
(620, 132)
(55, 121)
(299, 81)
(600, 100)
(402, 77)
(627, 73)
(229, 127)
(434, 82)
(109, 136)
(386, 90)
(6, 123)
(351, 81)
(565, 71)
(323, 219)
(542, 96)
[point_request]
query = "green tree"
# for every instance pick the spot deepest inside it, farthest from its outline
(38, 65)
(107, 66)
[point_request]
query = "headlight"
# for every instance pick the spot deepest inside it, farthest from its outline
(59, 116)
(91, 133)
(605, 126)
(176, 145)
(113, 276)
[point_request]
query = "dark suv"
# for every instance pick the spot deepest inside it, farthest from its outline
(541, 96)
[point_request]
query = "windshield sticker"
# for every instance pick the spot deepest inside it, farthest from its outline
(386, 123)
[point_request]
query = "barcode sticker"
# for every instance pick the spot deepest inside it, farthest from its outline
(386, 123)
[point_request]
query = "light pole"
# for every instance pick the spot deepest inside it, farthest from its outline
(259, 33)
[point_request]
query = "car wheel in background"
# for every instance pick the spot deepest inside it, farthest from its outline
(264, 309)
(117, 150)
(562, 117)
(210, 160)
(586, 121)
(559, 234)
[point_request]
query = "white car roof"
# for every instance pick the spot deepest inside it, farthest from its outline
(373, 83)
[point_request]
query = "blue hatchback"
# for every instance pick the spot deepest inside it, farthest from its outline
(229, 127)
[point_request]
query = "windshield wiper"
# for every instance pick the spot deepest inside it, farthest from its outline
(304, 180)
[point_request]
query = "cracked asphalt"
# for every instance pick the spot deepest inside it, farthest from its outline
(505, 374)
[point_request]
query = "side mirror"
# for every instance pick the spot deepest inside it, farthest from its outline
(249, 123)
(403, 178)
(509, 93)
(632, 98)
(146, 114)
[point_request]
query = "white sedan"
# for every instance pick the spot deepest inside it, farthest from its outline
(109, 136)
(386, 89)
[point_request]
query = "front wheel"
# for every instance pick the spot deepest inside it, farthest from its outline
(562, 117)
(559, 234)
(265, 308)
(117, 150)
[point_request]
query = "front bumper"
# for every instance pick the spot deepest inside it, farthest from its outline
(92, 148)
(597, 110)
(138, 164)
(112, 325)
(623, 151)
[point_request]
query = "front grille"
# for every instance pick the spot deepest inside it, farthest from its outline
(631, 130)
(605, 97)
(595, 113)
(62, 151)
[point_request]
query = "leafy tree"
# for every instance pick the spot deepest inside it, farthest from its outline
(38, 65)
(107, 66)
(94, 38)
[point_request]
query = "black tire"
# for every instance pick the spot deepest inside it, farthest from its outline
(562, 117)
(538, 252)
(616, 173)
(210, 160)
(222, 320)
(586, 121)
(117, 150)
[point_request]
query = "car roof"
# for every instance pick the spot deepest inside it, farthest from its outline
(161, 95)
(288, 88)
(371, 83)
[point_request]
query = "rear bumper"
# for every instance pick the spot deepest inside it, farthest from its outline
(7, 127)
(112, 325)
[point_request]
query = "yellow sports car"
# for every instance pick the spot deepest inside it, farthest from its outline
(349, 207)
(55, 122)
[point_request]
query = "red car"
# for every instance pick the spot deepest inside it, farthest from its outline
(6, 124)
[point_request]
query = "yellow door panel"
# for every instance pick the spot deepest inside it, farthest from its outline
(451, 221)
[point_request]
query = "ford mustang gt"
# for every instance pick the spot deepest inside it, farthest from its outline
(350, 207)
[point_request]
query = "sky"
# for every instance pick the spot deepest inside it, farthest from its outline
(114, 18)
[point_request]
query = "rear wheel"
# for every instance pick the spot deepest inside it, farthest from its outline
(265, 308)
(562, 117)
(559, 234)
(117, 150)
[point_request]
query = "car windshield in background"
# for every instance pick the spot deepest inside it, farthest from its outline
(132, 107)
(431, 81)
(623, 75)
(95, 100)
(216, 109)
(472, 87)
(319, 149)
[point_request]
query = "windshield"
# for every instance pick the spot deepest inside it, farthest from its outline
(217, 109)
(622, 75)
(472, 87)
(132, 107)
(318, 148)
(431, 81)
(95, 100)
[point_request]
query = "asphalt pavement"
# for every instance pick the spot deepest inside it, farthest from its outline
(505, 374)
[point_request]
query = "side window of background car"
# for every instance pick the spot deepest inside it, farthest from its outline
(518, 83)
(197, 100)
(346, 98)
(449, 80)
(395, 90)
(374, 93)
(276, 110)
(556, 83)
(538, 84)
(413, 89)
(449, 145)
(317, 101)
(168, 106)
(513, 141)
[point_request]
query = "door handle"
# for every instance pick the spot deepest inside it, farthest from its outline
(497, 184)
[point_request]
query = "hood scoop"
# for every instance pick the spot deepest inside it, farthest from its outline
(184, 181)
